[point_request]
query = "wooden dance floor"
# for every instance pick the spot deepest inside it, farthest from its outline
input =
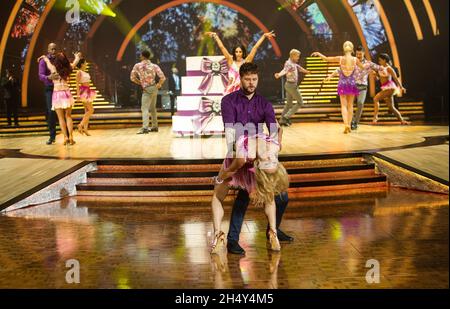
(122, 244)
(300, 138)
(134, 242)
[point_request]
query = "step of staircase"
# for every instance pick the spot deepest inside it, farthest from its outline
(192, 178)
(361, 198)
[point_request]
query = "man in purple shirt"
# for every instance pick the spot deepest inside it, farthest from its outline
(246, 112)
(47, 78)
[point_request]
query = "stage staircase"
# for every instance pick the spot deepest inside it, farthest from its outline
(315, 175)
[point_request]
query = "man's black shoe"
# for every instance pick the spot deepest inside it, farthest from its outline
(50, 141)
(281, 236)
(284, 237)
(234, 248)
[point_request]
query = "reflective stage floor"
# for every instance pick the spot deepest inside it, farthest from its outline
(133, 243)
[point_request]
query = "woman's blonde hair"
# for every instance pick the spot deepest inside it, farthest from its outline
(348, 43)
(269, 184)
(294, 52)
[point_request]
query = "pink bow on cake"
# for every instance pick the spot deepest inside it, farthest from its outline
(208, 109)
(211, 69)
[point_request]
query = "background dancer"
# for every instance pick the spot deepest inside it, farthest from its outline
(11, 95)
(389, 83)
(47, 78)
(237, 58)
(361, 76)
(347, 88)
(86, 95)
(62, 99)
(291, 69)
(144, 74)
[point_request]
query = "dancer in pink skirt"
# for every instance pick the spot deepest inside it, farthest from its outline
(256, 169)
(86, 95)
(237, 58)
(62, 99)
(390, 86)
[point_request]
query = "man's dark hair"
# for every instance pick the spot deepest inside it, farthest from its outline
(145, 54)
(385, 57)
(360, 48)
(248, 68)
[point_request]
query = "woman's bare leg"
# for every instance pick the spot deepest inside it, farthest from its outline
(62, 122)
(69, 121)
(376, 102)
(344, 112)
(350, 100)
(271, 213)
(390, 103)
(88, 112)
(220, 192)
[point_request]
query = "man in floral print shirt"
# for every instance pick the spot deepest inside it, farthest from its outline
(144, 74)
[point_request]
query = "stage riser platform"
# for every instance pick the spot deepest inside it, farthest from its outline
(35, 124)
(153, 178)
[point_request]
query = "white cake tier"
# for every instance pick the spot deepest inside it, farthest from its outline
(186, 125)
(189, 103)
(190, 84)
(193, 64)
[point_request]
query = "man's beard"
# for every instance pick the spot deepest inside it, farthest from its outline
(247, 91)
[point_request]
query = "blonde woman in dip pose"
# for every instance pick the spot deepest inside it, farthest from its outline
(256, 169)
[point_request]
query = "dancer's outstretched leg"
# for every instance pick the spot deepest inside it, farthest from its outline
(220, 192)
(270, 211)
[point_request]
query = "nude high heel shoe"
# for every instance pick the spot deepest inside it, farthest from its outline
(347, 130)
(274, 243)
(80, 129)
(218, 243)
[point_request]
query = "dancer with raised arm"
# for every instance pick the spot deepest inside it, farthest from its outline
(291, 70)
(62, 99)
(347, 88)
(390, 86)
(237, 58)
(86, 95)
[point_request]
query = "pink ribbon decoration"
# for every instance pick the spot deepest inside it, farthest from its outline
(208, 109)
(211, 69)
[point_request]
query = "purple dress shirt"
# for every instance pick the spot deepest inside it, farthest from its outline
(238, 109)
(44, 72)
